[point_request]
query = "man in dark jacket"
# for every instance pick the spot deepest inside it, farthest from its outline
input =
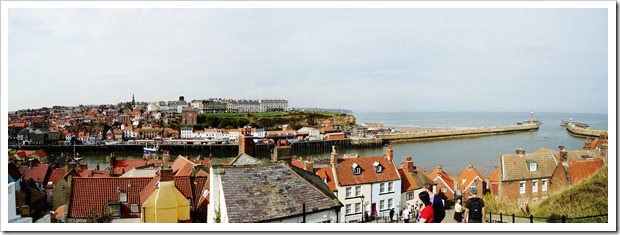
(438, 208)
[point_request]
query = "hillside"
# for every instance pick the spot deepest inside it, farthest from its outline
(587, 198)
(272, 120)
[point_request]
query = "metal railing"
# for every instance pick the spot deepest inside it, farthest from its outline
(552, 219)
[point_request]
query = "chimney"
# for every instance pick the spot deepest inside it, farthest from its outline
(97, 166)
(561, 148)
(470, 166)
(165, 175)
(334, 157)
(389, 153)
(282, 153)
(309, 165)
(439, 170)
(246, 142)
(520, 152)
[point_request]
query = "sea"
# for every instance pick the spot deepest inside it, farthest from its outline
(454, 155)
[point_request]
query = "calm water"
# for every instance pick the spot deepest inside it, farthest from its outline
(453, 154)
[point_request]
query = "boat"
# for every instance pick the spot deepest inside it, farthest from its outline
(152, 150)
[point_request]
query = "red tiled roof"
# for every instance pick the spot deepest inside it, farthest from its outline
(14, 171)
(444, 176)
(38, 173)
(468, 176)
(327, 173)
(297, 162)
(55, 177)
(580, 170)
(494, 177)
(182, 166)
(203, 204)
(89, 193)
(344, 170)
(122, 166)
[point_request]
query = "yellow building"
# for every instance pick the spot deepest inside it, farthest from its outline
(166, 204)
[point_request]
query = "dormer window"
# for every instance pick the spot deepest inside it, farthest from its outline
(378, 167)
(531, 165)
(357, 170)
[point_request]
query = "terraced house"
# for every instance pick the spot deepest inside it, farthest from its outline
(366, 184)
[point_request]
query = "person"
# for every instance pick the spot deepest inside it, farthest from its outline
(374, 213)
(458, 211)
(392, 215)
(405, 214)
(474, 208)
(366, 216)
(427, 213)
(438, 208)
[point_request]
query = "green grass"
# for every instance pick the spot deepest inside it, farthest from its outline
(587, 198)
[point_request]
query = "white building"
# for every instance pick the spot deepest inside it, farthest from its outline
(187, 132)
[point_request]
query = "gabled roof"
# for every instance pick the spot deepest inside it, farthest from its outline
(468, 176)
(190, 187)
(412, 177)
(203, 203)
(55, 177)
(255, 193)
(344, 171)
(89, 193)
(182, 166)
(436, 175)
(580, 170)
(515, 167)
(245, 159)
(578, 155)
(494, 177)
(38, 173)
(327, 174)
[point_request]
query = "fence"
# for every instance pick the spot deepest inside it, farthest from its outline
(553, 219)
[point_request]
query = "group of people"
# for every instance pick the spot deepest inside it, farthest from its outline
(430, 208)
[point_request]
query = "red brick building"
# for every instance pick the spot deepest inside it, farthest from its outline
(444, 183)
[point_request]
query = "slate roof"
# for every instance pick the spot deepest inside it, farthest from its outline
(89, 193)
(257, 193)
(469, 175)
(245, 159)
(514, 167)
(38, 173)
(14, 171)
(344, 171)
(578, 155)
(580, 170)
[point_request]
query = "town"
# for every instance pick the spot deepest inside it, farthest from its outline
(160, 188)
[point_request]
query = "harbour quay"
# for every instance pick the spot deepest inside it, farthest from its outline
(432, 134)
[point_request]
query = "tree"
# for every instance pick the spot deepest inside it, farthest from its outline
(95, 217)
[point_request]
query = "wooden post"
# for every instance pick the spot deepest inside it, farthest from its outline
(513, 218)
(500, 218)
(563, 219)
(531, 218)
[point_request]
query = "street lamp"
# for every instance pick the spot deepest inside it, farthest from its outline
(362, 204)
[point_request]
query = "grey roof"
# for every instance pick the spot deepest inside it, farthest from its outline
(577, 155)
(259, 193)
(244, 159)
(515, 167)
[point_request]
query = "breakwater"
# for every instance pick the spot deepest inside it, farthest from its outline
(458, 133)
(584, 132)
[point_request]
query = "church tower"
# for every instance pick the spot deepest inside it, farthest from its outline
(133, 102)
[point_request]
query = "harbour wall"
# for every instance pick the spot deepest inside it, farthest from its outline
(458, 133)
(584, 132)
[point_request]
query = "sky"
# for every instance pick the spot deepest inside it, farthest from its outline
(365, 60)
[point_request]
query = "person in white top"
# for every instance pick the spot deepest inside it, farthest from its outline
(458, 211)
(406, 214)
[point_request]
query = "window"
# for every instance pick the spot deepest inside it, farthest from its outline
(123, 198)
(409, 196)
(356, 169)
(134, 208)
(348, 209)
(378, 167)
(382, 188)
(522, 187)
(358, 190)
(535, 186)
(358, 207)
(390, 203)
(533, 166)
(64, 188)
(381, 204)
(544, 185)
(115, 210)
(390, 186)
(348, 192)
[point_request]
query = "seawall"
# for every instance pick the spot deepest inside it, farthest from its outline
(459, 133)
(584, 132)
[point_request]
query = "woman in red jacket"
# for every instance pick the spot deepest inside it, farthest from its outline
(427, 214)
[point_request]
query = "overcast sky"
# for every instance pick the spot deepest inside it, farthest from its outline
(366, 60)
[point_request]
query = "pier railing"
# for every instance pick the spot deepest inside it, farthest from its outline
(505, 218)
